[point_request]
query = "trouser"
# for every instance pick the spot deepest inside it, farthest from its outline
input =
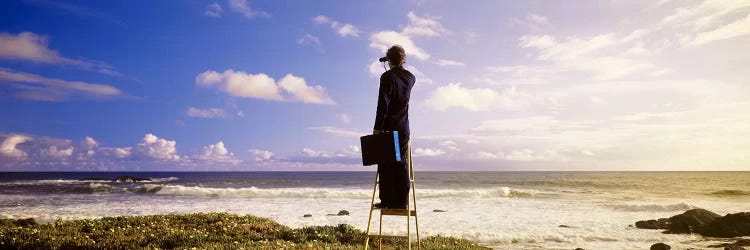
(394, 180)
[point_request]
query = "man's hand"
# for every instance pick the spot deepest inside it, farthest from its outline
(375, 131)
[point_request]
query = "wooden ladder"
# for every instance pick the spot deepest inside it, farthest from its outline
(408, 212)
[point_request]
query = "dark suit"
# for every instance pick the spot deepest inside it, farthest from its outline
(393, 114)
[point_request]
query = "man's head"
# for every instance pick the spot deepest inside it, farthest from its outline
(396, 56)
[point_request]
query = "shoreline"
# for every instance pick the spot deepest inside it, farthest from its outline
(196, 230)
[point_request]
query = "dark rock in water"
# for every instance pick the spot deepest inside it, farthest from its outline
(130, 179)
(95, 179)
(690, 221)
(343, 212)
(660, 246)
(662, 223)
(438, 211)
(307, 215)
(580, 249)
(734, 247)
(740, 243)
(731, 225)
(687, 222)
(565, 226)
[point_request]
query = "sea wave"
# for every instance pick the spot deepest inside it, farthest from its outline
(730, 192)
(68, 181)
(681, 206)
(254, 192)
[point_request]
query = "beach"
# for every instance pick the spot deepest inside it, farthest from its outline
(501, 210)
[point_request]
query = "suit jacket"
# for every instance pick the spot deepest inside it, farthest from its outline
(393, 102)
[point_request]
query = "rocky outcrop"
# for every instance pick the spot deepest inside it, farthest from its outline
(687, 222)
(703, 222)
(731, 225)
(660, 246)
(343, 212)
(307, 215)
(96, 179)
(130, 179)
(438, 211)
(690, 221)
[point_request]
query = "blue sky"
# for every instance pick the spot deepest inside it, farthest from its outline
(291, 85)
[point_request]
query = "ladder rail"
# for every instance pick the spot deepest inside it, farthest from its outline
(407, 212)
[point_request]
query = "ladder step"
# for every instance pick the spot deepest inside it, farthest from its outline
(387, 236)
(397, 212)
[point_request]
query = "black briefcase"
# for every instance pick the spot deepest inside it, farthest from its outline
(380, 148)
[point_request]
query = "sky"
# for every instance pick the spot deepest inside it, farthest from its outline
(251, 85)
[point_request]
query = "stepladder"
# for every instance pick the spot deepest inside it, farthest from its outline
(408, 212)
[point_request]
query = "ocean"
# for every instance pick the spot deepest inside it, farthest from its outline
(502, 210)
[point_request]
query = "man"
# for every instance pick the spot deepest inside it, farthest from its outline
(393, 114)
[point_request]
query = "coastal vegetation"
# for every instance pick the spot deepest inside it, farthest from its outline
(194, 231)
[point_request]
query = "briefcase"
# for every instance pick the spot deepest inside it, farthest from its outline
(381, 148)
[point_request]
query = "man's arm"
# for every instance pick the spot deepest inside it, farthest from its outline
(384, 99)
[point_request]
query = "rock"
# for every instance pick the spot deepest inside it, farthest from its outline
(343, 212)
(731, 225)
(130, 179)
(580, 249)
(740, 242)
(687, 222)
(565, 226)
(734, 247)
(307, 215)
(690, 221)
(438, 211)
(662, 223)
(660, 246)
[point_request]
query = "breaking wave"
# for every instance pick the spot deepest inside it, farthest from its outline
(68, 181)
(682, 206)
(254, 192)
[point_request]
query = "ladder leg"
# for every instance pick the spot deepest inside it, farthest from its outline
(408, 227)
(380, 232)
(372, 203)
(414, 196)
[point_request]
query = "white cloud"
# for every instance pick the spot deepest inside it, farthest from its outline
(427, 152)
(8, 147)
(472, 99)
(89, 142)
(385, 39)
(261, 86)
(153, 147)
(485, 155)
(449, 144)
(446, 62)
(343, 30)
(41, 88)
(217, 153)
(28, 46)
(338, 131)
(314, 153)
(122, 152)
(418, 26)
(302, 92)
(213, 10)
(423, 26)
(241, 6)
(532, 21)
(344, 118)
(53, 152)
(261, 155)
(735, 29)
(308, 39)
(206, 113)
